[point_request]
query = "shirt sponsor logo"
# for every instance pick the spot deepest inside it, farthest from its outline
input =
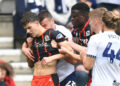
(41, 44)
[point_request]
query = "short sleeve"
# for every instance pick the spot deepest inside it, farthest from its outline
(92, 47)
(57, 36)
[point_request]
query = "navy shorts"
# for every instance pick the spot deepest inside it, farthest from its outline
(69, 80)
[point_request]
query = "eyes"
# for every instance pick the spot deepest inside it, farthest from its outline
(26, 28)
(29, 27)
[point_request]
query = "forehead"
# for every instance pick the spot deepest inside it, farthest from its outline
(75, 12)
(29, 24)
(44, 21)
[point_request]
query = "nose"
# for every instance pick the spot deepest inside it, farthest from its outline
(28, 31)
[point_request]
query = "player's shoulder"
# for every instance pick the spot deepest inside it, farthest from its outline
(96, 36)
(51, 30)
(61, 28)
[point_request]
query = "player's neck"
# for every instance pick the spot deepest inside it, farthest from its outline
(109, 29)
(41, 31)
(99, 28)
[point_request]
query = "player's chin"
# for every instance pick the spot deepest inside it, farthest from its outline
(33, 35)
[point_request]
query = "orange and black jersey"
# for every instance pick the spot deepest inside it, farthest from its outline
(82, 35)
(42, 45)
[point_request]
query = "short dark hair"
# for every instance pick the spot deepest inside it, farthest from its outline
(81, 7)
(29, 17)
(44, 14)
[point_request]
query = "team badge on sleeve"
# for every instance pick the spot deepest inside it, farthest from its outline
(59, 36)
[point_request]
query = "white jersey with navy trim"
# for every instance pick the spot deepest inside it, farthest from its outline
(105, 48)
(64, 68)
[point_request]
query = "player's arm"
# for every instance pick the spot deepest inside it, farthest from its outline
(58, 56)
(76, 47)
(28, 53)
(70, 54)
(88, 61)
(61, 42)
(89, 58)
(62, 50)
(66, 45)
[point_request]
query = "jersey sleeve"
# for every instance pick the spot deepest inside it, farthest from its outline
(64, 31)
(57, 36)
(92, 47)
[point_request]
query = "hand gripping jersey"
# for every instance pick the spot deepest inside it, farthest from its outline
(42, 45)
(105, 47)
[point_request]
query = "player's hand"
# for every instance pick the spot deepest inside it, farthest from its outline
(45, 61)
(54, 44)
(28, 53)
(63, 50)
(81, 68)
(76, 40)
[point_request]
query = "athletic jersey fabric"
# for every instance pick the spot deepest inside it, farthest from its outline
(42, 45)
(64, 69)
(83, 34)
(105, 48)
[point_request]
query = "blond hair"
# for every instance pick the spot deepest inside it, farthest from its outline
(97, 13)
(110, 20)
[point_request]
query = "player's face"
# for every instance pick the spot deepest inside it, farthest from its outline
(32, 28)
(77, 18)
(46, 23)
(93, 25)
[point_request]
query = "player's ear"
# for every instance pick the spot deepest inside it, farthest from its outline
(53, 21)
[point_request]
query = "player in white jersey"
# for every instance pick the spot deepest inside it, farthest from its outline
(65, 70)
(103, 54)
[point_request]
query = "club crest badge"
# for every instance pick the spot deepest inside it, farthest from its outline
(87, 33)
(47, 38)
